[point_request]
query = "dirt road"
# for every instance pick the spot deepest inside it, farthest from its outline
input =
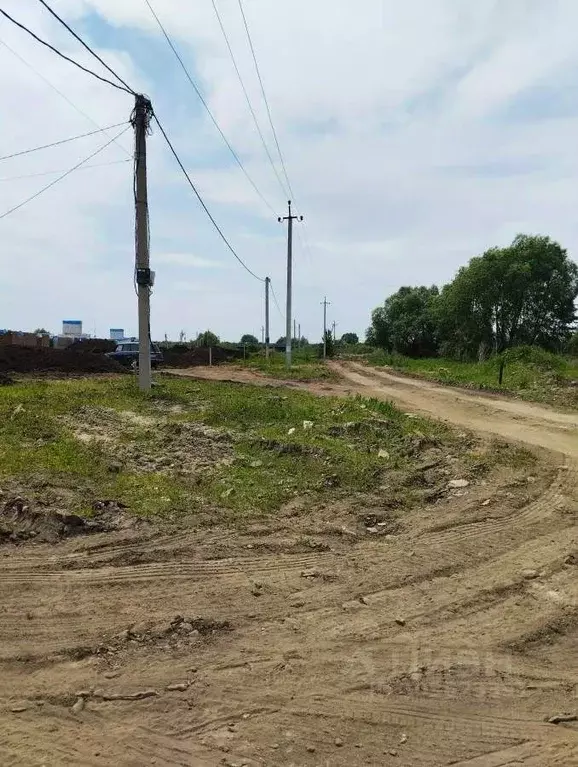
(451, 642)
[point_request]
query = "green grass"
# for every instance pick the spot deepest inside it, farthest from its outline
(530, 374)
(306, 366)
(220, 450)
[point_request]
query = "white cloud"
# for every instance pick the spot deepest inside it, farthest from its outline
(416, 135)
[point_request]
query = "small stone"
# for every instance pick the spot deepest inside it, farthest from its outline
(563, 718)
(307, 425)
(291, 431)
(486, 502)
(18, 709)
(256, 464)
(457, 483)
(530, 575)
(372, 530)
(403, 738)
(178, 687)
(381, 453)
(84, 693)
(310, 573)
(570, 559)
(338, 742)
(392, 752)
(111, 674)
(311, 749)
(274, 746)
(298, 603)
(78, 706)
(363, 600)
(400, 621)
(115, 468)
(186, 627)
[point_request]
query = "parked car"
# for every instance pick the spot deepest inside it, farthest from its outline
(126, 353)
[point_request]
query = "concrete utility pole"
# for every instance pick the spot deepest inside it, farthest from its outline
(325, 304)
(267, 283)
(334, 336)
(295, 329)
(263, 334)
(140, 120)
(299, 335)
(289, 218)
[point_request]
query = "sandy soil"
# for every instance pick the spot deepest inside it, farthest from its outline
(452, 641)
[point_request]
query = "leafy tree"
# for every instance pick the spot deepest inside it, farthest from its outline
(41, 332)
(406, 322)
(249, 340)
(329, 345)
(207, 338)
(350, 338)
(522, 294)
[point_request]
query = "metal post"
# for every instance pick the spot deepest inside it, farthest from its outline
(289, 218)
(140, 119)
(299, 335)
(267, 282)
(325, 303)
(210, 355)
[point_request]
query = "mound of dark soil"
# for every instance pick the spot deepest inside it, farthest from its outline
(179, 356)
(20, 521)
(97, 345)
(74, 359)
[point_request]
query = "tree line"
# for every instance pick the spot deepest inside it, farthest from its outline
(523, 294)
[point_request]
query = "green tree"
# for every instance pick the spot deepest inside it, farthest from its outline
(249, 340)
(520, 295)
(329, 345)
(406, 322)
(208, 338)
(41, 332)
(350, 338)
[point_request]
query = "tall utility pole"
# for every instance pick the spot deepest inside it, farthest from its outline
(294, 328)
(267, 283)
(299, 335)
(140, 120)
(263, 334)
(289, 218)
(325, 304)
(334, 325)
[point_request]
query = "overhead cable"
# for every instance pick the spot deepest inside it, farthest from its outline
(63, 56)
(265, 99)
(247, 99)
(62, 141)
(205, 208)
(204, 103)
(53, 172)
(276, 302)
(88, 48)
(60, 93)
(64, 175)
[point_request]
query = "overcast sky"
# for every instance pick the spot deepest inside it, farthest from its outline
(416, 134)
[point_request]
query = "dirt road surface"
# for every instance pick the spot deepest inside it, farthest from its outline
(452, 642)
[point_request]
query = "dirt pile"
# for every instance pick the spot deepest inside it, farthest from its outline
(95, 345)
(74, 359)
(20, 521)
(181, 356)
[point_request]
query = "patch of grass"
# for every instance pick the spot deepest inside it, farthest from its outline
(529, 373)
(200, 446)
(306, 366)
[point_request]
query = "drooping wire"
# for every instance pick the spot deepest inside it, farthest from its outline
(53, 172)
(60, 93)
(276, 302)
(62, 141)
(247, 98)
(63, 56)
(204, 103)
(88, 48)
(64, 175)
(205, 208)
(265, 99)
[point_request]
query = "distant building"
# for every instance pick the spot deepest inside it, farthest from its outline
(72, 328)
(116, 334)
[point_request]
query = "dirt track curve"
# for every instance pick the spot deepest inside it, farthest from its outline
(435, 646)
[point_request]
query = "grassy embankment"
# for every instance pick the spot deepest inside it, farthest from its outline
(530, 374)
(218, 450)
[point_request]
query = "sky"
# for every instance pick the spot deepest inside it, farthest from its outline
(415, 136)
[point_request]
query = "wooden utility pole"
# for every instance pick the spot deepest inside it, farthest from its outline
(289, 218)
(325, 304)
(267, 340)
(140, 120)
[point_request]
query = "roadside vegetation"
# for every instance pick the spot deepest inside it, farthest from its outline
(218, 451)
(306, 365)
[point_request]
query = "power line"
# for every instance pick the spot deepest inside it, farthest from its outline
(52, 172)
(60, 93)
(204, 103)
(88, 48)
(193, 187)
(247, 99)
(276, 302)
(62, 141)
(265, 99)
(62, 55)
(64, 175)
